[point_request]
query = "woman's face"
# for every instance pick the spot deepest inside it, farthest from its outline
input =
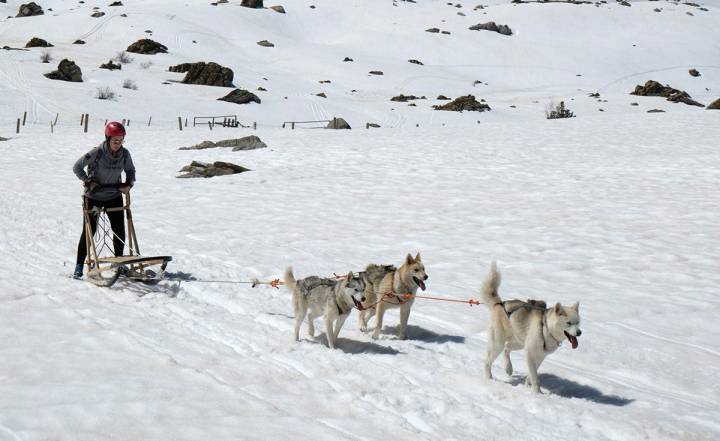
(116, 143)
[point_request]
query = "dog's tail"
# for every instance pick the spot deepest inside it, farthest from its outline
(490, 286)
(289, 279)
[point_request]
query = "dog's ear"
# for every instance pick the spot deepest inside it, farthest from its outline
(559, 309)
(350, 276)
(409, 259)
(417, 257)
(576, 306)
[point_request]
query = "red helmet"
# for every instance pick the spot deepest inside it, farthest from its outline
(114, 128)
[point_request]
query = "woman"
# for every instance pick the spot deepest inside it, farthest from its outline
(103, 186)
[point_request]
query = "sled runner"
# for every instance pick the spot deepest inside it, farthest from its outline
(104, 271)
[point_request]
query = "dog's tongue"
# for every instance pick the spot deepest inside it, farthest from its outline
(573, 340)
(358, 305)
(421, 284)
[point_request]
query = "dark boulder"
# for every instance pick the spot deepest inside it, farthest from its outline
(491, 26)
(653, 88)
(67, 71)
(240, 96)
(38, 42)
(209, 74)
(30, 9)
(467, 102)
(715, 105)
(147, 47)
(198, 169)
(257, 4)
(111, 66)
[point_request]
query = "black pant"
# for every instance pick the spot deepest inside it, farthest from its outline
(117, 223)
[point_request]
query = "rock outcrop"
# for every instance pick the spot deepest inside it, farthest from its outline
(67, 71)
(653, 88)
(240, 96)
(30, 9)
(491, 26)
(206, 74)
(198, 169)
(467, 102)
(147, 46)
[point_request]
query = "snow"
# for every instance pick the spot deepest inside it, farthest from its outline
(617, 210)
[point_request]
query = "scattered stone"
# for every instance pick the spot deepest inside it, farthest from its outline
(416, 62)
(467, 102)
(321, 95)
(624, 3)
(412, 105)
(653, 88)
(29, 10)
(655, 111)
(116, 4)
(461, 14)
(375, 72)
(404, 98)
(265, 43)
(442, 98)
(278, 8)
(445, 32)
(67, 71)
(3, 139)
(594, 95)
(206, 74)
(433, 30)
(324, 81)
(348, 59)
(262, 89)
(111, 66)
(240, 96)
(692, 72)
(373, 125)
(715, 105)
(198, 169)
(147, 47)
(634, 104)
(657, 10)
(38, 42)
(491, 26)
(251, 142)
(78, 42)
(97, 14)
(338, 123)
(257, 4)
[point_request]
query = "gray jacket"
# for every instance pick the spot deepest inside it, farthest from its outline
(104, 168)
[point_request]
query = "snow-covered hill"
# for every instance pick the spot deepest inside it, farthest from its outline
(558, 51)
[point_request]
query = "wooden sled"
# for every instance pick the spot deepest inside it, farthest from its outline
(105, 271)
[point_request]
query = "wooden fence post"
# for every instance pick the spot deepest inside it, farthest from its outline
(105, 122)
(367, 125)
(87, 117)
(123, 121)
(334, 122)
(186, 123)
(51, 127)
(255, 125)
(24, 116)
(180, 123)
(210, 125)
(57, 115)
(17, 129)
(82, 119)
(128, 124)
(149, 121)
(292, 125)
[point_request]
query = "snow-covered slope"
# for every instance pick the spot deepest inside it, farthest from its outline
(559, 51)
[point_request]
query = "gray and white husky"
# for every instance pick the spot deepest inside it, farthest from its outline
(334, 299)
(372, 276)
(529, 325)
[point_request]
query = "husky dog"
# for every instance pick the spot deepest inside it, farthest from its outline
(372, 276)
(389, 292)
(329, 297)
(515, 324)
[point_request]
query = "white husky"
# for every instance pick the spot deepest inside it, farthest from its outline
(314, 296)
(516, 324)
